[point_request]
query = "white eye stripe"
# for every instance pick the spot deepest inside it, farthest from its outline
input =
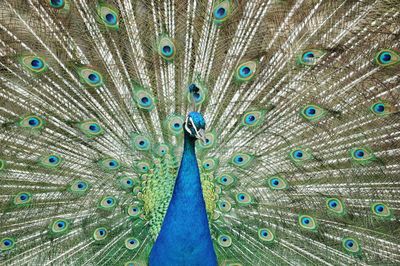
(194, 126)
(186, 125)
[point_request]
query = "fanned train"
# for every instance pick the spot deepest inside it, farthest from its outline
(220, 132)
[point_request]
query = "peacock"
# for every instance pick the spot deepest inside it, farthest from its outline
(184, 133)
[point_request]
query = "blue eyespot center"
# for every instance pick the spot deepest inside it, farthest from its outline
(305, 221)
(275, 182)
(81, 185)
(57, 3)
(94, 128)
(349, 243)
(298, 154)
(239, 159)
(177, 125)
(93, 78)
(23, 197)
(379, 208)
(61, 224)
(310, 111)
(132, 242)
(7, 242)
(196, 96)
(224, 179)
(33, 122)
(220, 13)
(385, 57)
(37, 63)
(109, 201)
(245, 71)
(111, 19)
(167, 50)
(134, 209)
(333, 204)
(102, 232)
(112, 163)
(379, 108)
(359, 154)
(264, 233)
(308, 57)
(53, 160)
(145, 100)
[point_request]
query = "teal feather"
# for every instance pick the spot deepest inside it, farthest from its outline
(301, 101)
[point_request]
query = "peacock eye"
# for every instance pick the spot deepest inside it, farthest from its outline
(197, 92)
(79, 187)
(22, 199)
(100, 233)
(224, 205)
(381, 108)
(381, 210)
(265, 234)
(277, 183)
(35, 64)
(387, 57)
(107, 203)
(57, 3)
(108, 15)
(109, 164)
(246, 71)
(243, 198)
(312, 112)
(335, 206)
(90, 128)
(226, 180)
(299, 155)
(253, 118)
(210, 142)
(59, 226)
(32, 122)
(141, 142)
(50, 161)
(134, 210)
(210, 164)
(7, 243)
(307, 222)
(143, 98)
(90, 77)
(166, 48)
(240, 159)
(310, 57)
(143, 167)
(224, 241)
(362, 155)
(161, 150)
(131, 243)
(222, 11)
(351, 245)
(126, 182)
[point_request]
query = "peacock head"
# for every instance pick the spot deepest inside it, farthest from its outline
(195, 125)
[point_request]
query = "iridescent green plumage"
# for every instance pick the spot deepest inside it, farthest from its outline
(301, 105)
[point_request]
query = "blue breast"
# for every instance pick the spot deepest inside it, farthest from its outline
(185, 237)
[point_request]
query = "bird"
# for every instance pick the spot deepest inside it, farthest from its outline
(220, 132)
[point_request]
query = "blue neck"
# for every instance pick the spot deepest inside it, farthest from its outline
(185, 237)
